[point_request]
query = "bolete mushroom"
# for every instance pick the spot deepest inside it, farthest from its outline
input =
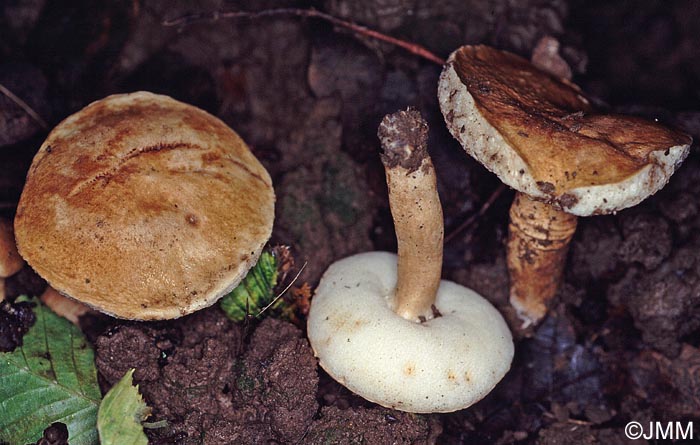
(144, 207)
(387, 327)
(541, 136)
(10, 260)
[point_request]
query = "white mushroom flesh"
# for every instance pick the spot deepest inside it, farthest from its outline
(444, 364)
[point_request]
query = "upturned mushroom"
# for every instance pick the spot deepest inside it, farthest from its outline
(542, 137)
(144, 207)
(387, 327)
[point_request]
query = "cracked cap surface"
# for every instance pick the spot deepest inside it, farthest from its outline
(144, 207)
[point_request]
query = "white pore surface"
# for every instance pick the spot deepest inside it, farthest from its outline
(442, 365)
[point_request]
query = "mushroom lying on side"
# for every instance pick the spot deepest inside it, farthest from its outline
(144, 207)
(395, 333)
(539, 135)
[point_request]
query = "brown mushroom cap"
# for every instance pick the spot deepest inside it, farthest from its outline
(541, 136)
(10, 261)
(144, 207)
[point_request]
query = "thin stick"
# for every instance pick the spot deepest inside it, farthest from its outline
(313, 13)
(472, 219)
(22, 104)
(296, 277)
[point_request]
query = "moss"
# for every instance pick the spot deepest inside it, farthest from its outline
(298, 215)
(339, 193)
(245, 383)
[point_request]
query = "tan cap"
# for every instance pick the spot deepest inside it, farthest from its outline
(539, 135)
(144, 207)
(10, 260)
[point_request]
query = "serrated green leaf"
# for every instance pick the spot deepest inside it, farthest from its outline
(121, 413)
(50, 378)
(254, 292)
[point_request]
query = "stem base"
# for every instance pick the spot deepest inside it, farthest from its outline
(538, 241)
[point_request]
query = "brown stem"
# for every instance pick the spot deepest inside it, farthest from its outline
(10, 260)
(538, 241)
(417, 213)
(66, 307)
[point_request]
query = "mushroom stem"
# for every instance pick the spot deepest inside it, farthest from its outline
(538, 241)
(66, 307)
(415, 207)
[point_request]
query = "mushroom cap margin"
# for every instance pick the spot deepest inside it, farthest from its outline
(564, 115)
(144, 207)
(442, 365)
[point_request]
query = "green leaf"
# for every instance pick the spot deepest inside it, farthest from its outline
(50, 378)
(119, 420)
(255, 292)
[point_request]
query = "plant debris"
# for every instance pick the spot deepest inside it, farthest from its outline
(121, 414)
(263, 391)
(622, 342)
(54, 363)
(255, 292)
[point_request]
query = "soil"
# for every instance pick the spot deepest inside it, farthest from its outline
(15, 321)
(54, 434)
(213, 387)
(398, 131)
(622, 341)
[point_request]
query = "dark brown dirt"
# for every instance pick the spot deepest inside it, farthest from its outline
(54, 434)
(593, 250)
(24, 282)
(184, 369)
(646, 239)
(15, 321)
(363, 425)
(622, 341)
(276, 383)
(489, 279)
(398, 131)
(27, 82)
(126, 347)
(197, 374)
(673, 383)
(565, 433)
(664, 303)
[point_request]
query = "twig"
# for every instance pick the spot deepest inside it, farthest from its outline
(297, 12)
(472, 219)
(274, 300)
(22, 104)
